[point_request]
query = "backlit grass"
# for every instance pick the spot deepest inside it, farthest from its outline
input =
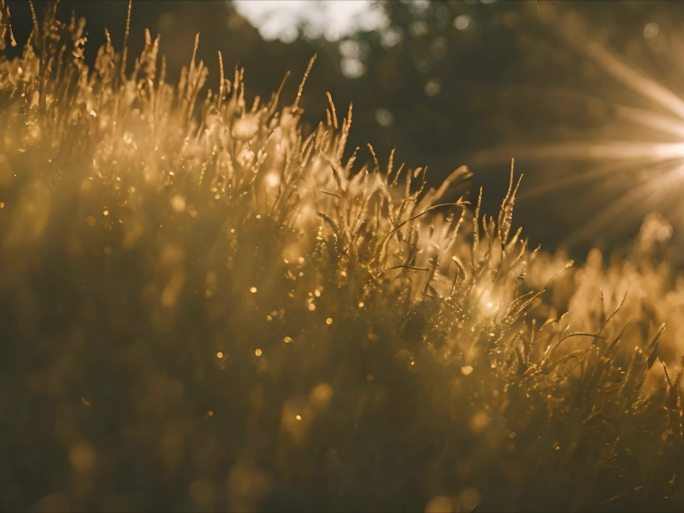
(204, 307)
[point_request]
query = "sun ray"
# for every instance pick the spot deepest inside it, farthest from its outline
(631, 77)
(652, 120)
(637, 169)
(606, 171)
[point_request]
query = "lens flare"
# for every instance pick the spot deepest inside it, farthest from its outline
(638, 169)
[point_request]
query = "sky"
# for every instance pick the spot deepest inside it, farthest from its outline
(281, 19)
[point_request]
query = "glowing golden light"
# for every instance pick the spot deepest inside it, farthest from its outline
(272, 180)
(640, 164)
(479, 422)
(219, 355)
(440, 504)
(258, 352)
(82, 456)
(321, 395)
(489, 303)
(178, 203)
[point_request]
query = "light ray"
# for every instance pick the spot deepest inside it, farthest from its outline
(652, 120)
(627, 75)
(640, 168)
(603, 172)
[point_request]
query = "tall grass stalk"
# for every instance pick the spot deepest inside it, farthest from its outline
(205, 307)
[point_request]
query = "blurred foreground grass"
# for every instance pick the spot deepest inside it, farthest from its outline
(204, 308)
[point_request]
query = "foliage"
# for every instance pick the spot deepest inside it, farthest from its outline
(204, 307)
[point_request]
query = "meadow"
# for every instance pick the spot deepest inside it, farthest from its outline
(207, 306)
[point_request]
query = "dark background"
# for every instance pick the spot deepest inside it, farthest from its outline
(477, 96)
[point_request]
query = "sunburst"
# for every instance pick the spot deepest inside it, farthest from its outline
(638, 168)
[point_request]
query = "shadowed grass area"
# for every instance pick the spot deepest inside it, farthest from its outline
(205, 308)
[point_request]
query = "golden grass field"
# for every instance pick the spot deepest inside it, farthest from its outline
(205, 307)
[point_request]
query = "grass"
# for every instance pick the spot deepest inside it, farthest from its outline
(203, 307)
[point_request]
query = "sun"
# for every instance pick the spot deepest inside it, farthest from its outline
(638, 167)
